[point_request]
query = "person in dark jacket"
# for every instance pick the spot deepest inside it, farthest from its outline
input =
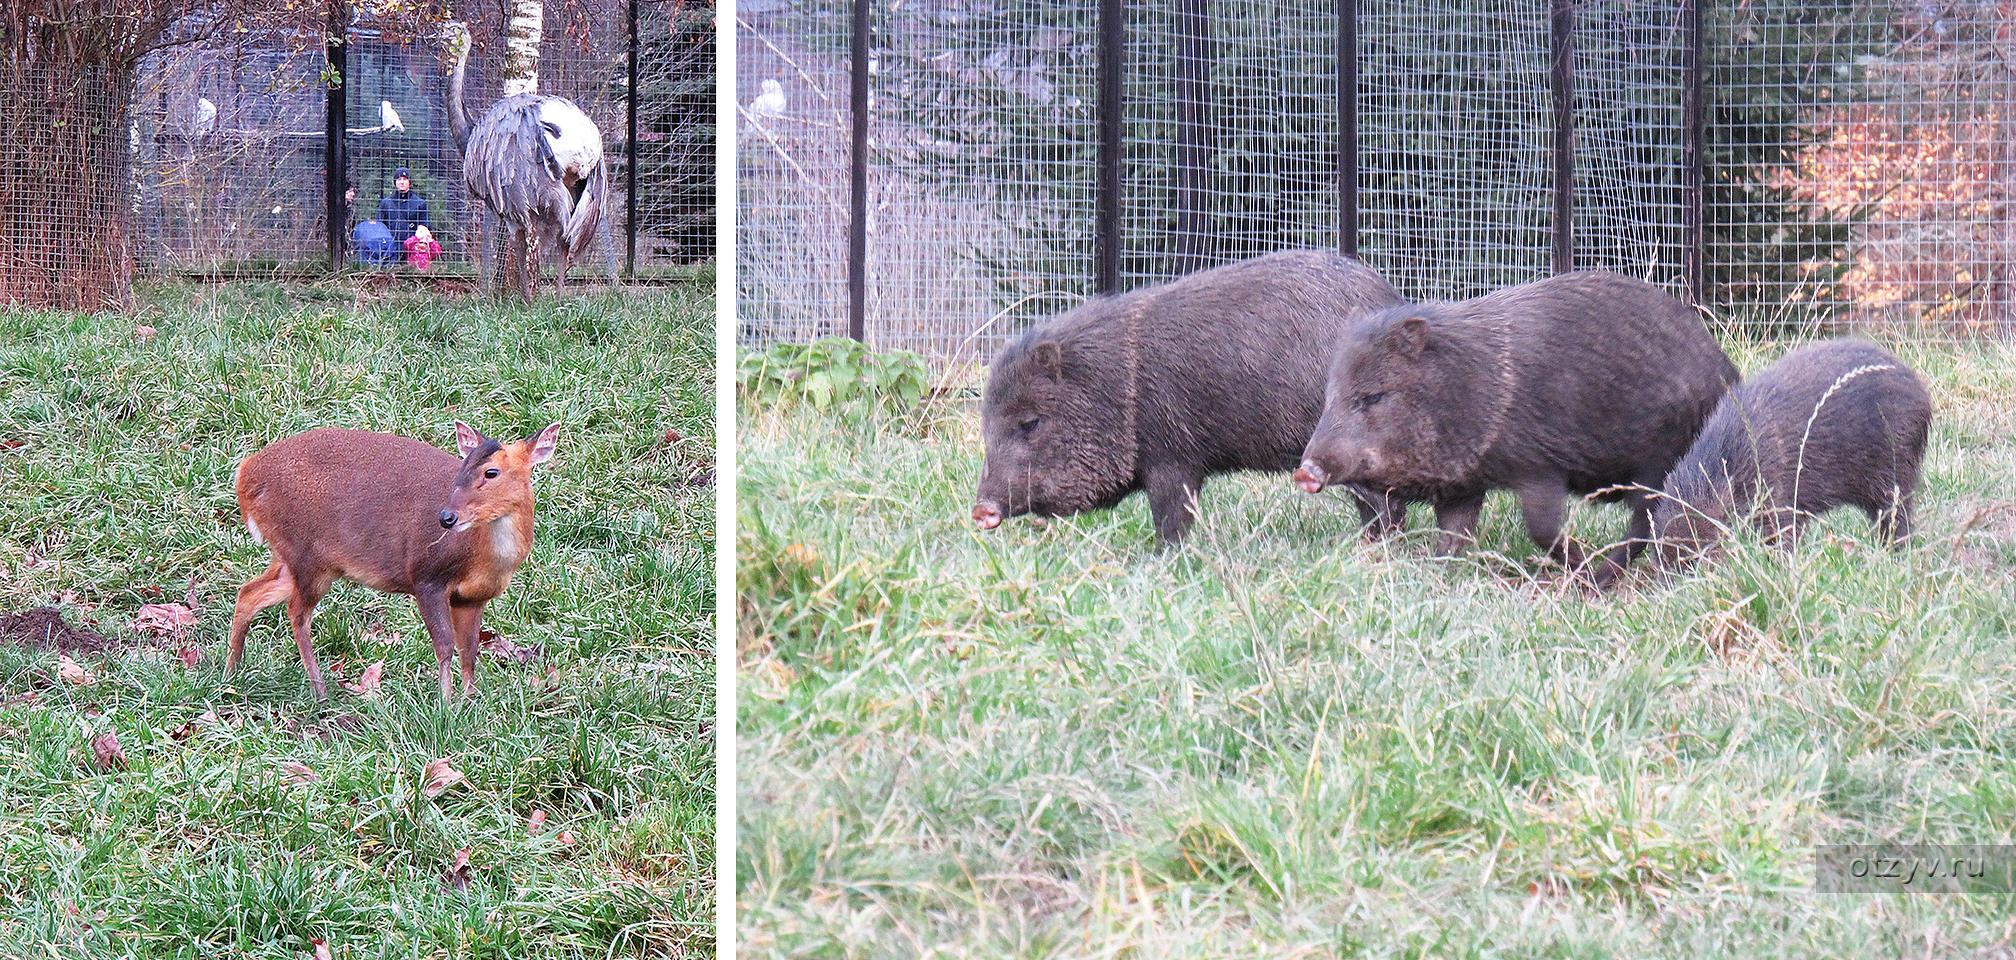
(404, 210)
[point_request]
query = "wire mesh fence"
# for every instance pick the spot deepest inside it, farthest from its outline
(1783, 162)
(63, 167)
(215, 148)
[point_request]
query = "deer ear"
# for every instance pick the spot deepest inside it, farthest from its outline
(1049, 356)
(1409, 336)
(467, 438)
(544, 442)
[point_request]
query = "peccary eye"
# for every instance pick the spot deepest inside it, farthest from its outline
(490, 474)
(1029, 426)
(1370, 400)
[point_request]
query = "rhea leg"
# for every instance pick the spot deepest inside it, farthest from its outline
(528, 268)
(265, 590)
(468, 620)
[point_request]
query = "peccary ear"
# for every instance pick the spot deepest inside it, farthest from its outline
(1049, 357)
(1409, 336)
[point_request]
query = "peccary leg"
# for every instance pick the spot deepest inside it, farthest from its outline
(1893, 522)
(1636, 536)
(1457, 519)
(1543, 503)
(1172, 496)
(1380, 513)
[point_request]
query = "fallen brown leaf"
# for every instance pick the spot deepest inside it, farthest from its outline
(566, 838)
(538, 820)
(672, 436)
(497, 647)
(190, 657)
(12, 444)
(438, 776)
(367, 685)
(321, 948)
(295, 773)
(189, 598)
(105, 747)
(457, 877)
(144, 333)
(170, 620)
(70, 671)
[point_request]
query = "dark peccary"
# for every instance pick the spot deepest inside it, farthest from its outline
(1583, 382)
(1840, 423)
(1158, 388)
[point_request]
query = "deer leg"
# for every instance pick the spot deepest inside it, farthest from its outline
(439, 618)
(301, 609)
(265, 590)
(468, 630)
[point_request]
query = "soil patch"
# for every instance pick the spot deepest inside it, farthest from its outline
(45, 629)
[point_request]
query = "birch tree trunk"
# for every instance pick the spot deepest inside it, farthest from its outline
(521, 46)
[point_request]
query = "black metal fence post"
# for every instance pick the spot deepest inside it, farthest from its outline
(1693, 159)
(1562, 77)
(630, 157)
(1347, 127)
(1194, 245)
(335, 47)
(1112, 129)
(857, 190)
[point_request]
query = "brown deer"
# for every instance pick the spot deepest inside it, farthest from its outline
(393, 514)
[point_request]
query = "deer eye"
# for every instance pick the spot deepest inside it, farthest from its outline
(490, 474)
(1370, 400)
(1028, 426)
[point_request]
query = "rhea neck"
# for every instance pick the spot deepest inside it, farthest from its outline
(458, 119)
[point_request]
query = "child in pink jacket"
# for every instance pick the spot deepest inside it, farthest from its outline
(421, 248)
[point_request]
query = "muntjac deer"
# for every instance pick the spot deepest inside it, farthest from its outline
(393, 514)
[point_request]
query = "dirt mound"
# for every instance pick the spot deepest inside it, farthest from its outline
(44, 628)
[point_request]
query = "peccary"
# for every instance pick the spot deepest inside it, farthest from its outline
(1582, 382)
(1840, 423)
(1158, 388)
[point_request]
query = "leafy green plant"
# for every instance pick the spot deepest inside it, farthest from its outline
(834, 375)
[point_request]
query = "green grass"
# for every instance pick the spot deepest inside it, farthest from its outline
(120, 494)
(1280, 741)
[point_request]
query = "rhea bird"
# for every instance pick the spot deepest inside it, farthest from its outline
(536, 163)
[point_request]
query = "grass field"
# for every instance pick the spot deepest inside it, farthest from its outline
(250, 820)
(1279, 741)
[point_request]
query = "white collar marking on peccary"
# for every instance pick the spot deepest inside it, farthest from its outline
(1130, 339)
(1508, 380)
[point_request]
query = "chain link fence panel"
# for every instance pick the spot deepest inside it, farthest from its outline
(1855, 158)
(227, 138)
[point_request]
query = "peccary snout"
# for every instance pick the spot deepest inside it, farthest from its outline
(987, 514)
(1310, 477)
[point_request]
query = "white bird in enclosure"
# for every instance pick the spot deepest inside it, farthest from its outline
(536, 162)
(206, 118)
(769, 103)
(388, 119)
